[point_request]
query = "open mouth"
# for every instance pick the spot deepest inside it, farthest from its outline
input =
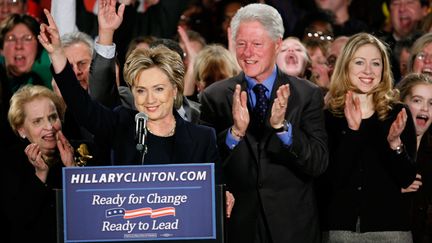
(49, 137)
(405, 21)
(291, 59)
(422, 120)
(20, 60)
(427, 71)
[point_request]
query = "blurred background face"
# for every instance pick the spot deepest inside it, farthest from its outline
(403, 61)
(423, 60)
(331, 5)
(292, 58)
(229, 12)
(419, 102)
(319, 68)
(19, 50)
(11, 6)
(405, 15)
(334, 52)
(79, 56)
(41, 124)
(154, 94)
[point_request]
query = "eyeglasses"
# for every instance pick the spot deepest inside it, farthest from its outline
(25, 39)
(422, 56)
(320, 35)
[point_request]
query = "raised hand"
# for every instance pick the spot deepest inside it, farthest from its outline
(34, 155)
(49, 38)
(396, 129)
(66, 150)
(189, 82)
(279, 107)
(352, 111)
(109, 20)
(190, 51)
(240, 112)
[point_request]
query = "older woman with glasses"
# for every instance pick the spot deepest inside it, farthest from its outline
(420, 60)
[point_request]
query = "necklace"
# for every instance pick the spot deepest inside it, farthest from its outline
(166, 135)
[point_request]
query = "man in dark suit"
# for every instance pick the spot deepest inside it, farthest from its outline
(273, 143)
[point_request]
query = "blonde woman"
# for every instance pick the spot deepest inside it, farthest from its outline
(372, 147)
(214, 63)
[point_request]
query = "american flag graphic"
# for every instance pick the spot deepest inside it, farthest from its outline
(140, 212)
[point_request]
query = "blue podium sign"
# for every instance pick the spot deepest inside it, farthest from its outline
(131, 203)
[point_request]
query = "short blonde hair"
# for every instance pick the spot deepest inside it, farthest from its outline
(29, 93)
(214, 63)
(166, 60)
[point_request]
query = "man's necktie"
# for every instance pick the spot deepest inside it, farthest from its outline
(261, 105)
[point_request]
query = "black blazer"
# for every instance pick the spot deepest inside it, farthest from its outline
(364, 177)
(28, 206)
(192, 143)
(262, 169)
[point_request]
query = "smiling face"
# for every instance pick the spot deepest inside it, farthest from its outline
(41, 124)
(292, 58)
(255, 50)
(423, 60)
(365, 68)
(154, 94)
(419, 102)
(19, 50)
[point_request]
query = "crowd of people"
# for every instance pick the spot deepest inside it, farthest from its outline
(316, 116)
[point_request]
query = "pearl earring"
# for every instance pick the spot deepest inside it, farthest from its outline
(23, 136)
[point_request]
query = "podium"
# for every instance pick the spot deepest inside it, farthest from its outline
(219, 235)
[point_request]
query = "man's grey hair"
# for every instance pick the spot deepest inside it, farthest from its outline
(268, 16)
(69, 39)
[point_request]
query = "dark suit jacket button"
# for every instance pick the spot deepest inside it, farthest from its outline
(343, 132)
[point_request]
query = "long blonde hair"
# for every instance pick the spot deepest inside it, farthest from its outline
(383, 95)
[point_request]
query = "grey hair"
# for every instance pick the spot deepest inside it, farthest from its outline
(268, 16)
(69, 39)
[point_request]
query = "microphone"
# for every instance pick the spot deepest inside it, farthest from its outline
(140, 130)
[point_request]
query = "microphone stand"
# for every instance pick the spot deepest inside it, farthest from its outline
(141, 146)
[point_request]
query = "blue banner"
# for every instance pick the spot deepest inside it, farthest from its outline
(131, 203)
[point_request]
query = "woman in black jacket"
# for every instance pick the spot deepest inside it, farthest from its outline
(372, 148)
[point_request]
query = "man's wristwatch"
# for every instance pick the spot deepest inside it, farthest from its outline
(284, 128)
